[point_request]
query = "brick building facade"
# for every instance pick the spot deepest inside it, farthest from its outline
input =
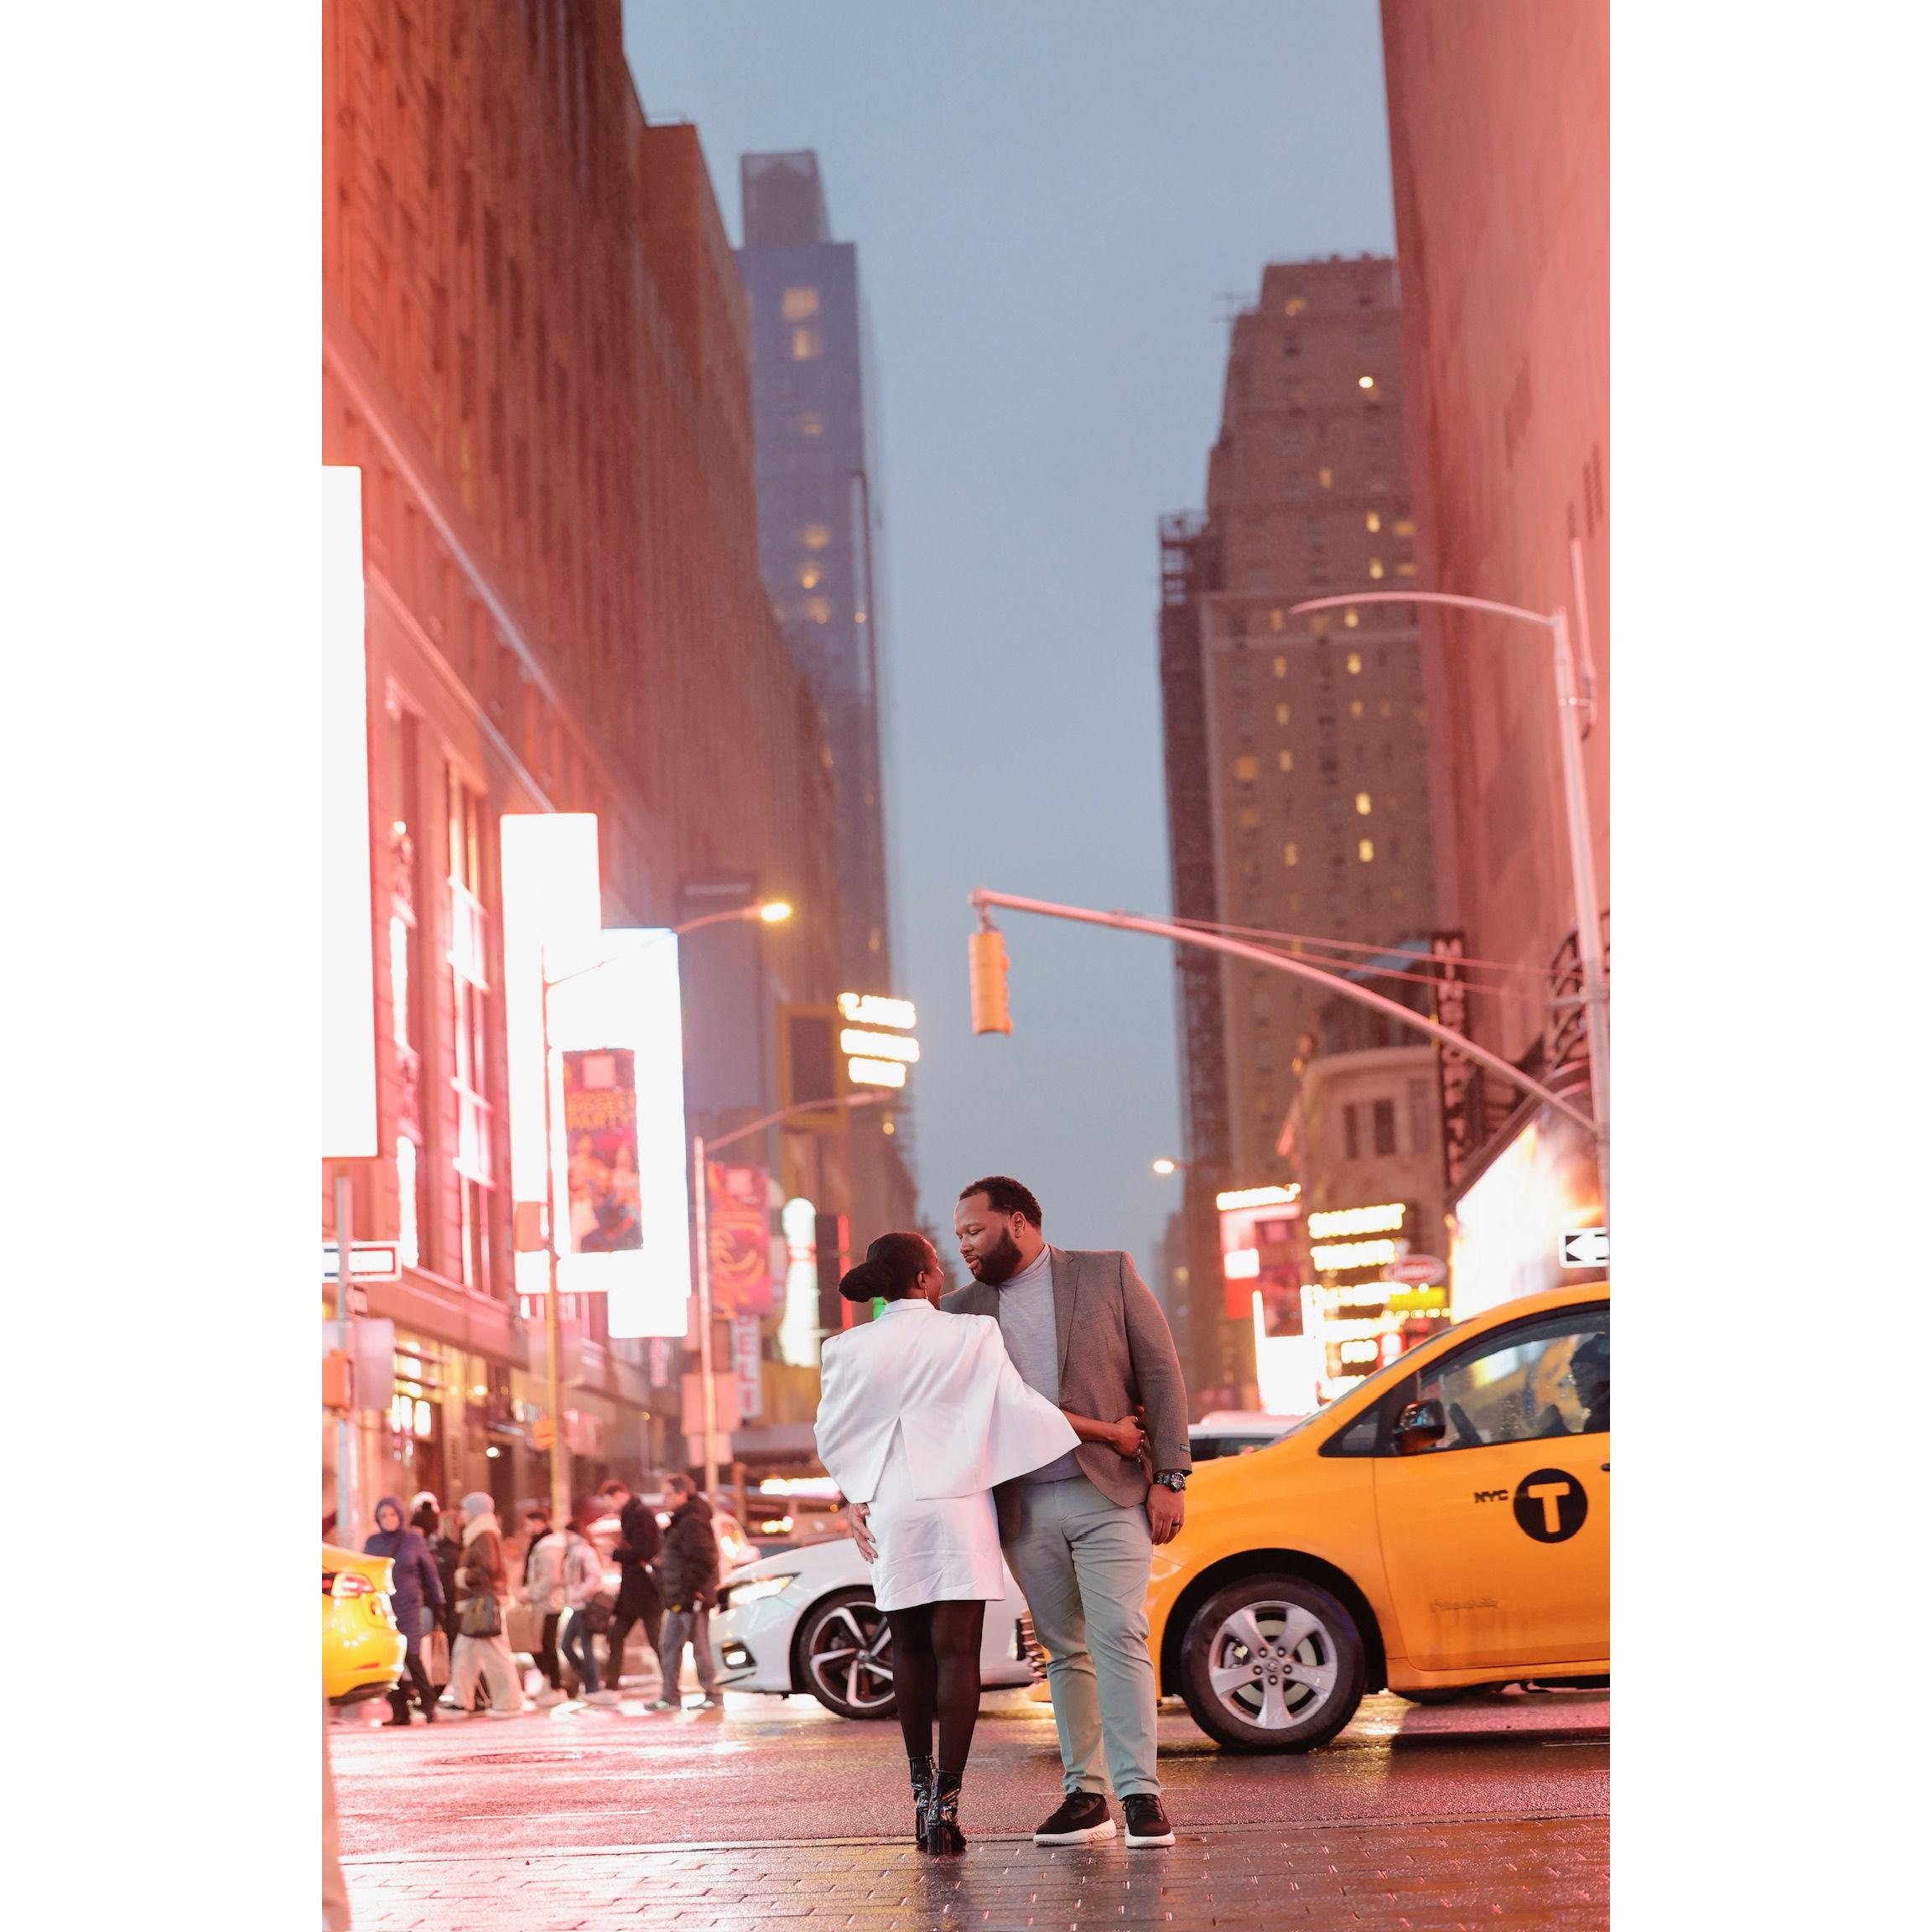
(535, 348)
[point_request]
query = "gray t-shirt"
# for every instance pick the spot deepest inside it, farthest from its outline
(1027, 1327)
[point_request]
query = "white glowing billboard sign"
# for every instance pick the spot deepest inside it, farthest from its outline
(623, 992)
(1510, 1224)
(875, 1058)
(348, 1039)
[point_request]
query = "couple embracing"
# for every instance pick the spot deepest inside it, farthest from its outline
(960, 1426)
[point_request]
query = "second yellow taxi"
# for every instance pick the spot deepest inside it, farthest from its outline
(1446, 1525)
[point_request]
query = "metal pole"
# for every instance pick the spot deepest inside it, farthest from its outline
(1583, 882)
(552, 1330)
(1184, 936)
(344, 1424)
(700, 1199)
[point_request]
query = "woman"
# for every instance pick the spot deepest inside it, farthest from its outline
(920, 1415)
(582, 1582)
(543, 1589)
(413, 1583)
(482, 1648)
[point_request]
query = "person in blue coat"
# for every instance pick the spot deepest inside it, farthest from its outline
(413, 1585)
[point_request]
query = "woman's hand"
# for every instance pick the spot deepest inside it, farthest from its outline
(1129, 1437)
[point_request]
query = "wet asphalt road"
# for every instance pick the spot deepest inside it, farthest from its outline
(771, 1771)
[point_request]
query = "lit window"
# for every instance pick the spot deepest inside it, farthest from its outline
(1404, 527)
(1374, 566)
(1397, 897)
(818, 609)
(1355, 707)
(1294, 304)
(1365, 381)
(1374, 519)
(1388, 707)
(1291, 853)
(799, 302)
(807, 344)
(809, 575)
(1351, 618)
(1365, 850)
(1280, 667)
(1277, 619)
(1281, 713)
(409, 1232)
(1325, 478)
(1318, 622)
(1294, 902)
(1405, 569)
(1285, 758)
(1364, 803)
(1354, 663)
(810, 422)
(1247, 770)
(815, 536)
(1250, 818)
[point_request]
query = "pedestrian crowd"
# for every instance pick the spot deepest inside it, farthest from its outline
(461, 1583)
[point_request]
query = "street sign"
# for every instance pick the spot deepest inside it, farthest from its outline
(1587, 1248)
(368, 1261)
(1419, 1301)
(1419, 1270)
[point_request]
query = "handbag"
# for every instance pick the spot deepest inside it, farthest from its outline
(480, 1617)
(598, 1613)
(436, 1658)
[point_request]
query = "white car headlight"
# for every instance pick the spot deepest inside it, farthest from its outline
(753, 1588)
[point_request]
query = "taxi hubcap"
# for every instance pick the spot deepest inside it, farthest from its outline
(851, 1656)
(1272, 1665)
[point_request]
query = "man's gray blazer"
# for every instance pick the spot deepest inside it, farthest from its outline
(1115, 1351)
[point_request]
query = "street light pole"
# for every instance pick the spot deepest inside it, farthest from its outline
(701, 1221)
(1575, 711)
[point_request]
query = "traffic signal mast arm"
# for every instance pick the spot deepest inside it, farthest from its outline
(980, 898)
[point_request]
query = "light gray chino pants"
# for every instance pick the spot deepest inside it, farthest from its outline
(1084, 1562)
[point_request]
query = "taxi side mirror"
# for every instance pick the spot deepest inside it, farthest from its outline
(1419, 1425)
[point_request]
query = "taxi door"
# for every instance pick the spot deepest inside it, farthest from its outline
(1496, 1540)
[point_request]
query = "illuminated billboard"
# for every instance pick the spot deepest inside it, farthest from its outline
(1511, 1221)
(1261, 1271)
(876, 1058)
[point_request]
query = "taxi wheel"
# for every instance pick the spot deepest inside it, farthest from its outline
(1272, 1664)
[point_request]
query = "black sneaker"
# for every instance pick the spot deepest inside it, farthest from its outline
(1147, 1822)
(1082, 1817)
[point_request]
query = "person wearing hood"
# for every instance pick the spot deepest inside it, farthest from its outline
(413, 1584)
(482, 1647)
(688, 1577)
(426, 1516)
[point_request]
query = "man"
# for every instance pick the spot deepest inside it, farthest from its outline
(1079, 1534)
(687, 1575)
(482, 1648)
(638, 1598)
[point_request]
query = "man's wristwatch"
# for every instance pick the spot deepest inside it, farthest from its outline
(1174, 1479)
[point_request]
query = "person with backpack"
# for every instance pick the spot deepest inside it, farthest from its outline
(482, 1648)
(587, 1614)
(413, 1584)
(688, 1578)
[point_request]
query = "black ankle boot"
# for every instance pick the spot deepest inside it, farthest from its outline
(942, 1836)
(923, 1773)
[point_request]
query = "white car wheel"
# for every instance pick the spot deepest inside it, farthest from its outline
(845, 1655)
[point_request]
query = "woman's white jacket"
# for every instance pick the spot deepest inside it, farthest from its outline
(969, 1421)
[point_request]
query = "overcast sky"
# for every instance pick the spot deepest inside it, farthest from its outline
(1051, 203)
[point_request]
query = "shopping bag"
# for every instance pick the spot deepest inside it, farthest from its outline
(436, 1657)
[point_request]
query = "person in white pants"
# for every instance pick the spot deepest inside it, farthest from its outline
(482, 1646)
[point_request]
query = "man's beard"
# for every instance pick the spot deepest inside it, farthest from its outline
(998, 1264)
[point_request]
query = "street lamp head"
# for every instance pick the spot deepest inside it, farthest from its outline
(1164, 1165)
(774, 911)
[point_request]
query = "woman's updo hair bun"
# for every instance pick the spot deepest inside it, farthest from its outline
(867, 1282)
(891, 1266)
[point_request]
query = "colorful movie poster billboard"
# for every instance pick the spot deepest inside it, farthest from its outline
(600, 1133)
(740, 1224)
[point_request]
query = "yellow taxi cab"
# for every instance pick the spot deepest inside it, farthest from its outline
(1444, 1525)
(361, 1647)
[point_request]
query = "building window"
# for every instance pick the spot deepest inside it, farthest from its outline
(470, 985)
(1282, 670)
(1387, 708)
(1365, 850)
(1375, 567)
(818, 610)
(1291, 853)
(1249, 818)
(810, 575)
(810, 422)
(1405, 569)
(1422, 1133)
(1355, 708)
(807, 344)
(1281, 715)
(1277, 619)
(1285, 758)
(1247, 770)
(1325, 478)
(1351, 618)
(815, 536)
(1294, 304)
(1354, 663)
(1364, 803)
(1351, 1132)
(1405, 526)
(1385, 1126)
(1375, 520)
(800, 302)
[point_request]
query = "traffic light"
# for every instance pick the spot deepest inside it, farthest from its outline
(987, 962)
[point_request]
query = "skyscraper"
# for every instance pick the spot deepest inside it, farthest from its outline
(1296, 747)
(817, 520)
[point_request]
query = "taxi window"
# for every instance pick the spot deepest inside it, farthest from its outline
(1546, 1377)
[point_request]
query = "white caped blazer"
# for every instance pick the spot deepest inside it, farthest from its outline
(947, 1380)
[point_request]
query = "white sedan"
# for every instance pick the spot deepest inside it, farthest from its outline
(804, 1621)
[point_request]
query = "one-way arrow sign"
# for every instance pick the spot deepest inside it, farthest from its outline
(1587, 1248)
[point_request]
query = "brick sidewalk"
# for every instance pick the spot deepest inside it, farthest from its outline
(1547, 1872)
